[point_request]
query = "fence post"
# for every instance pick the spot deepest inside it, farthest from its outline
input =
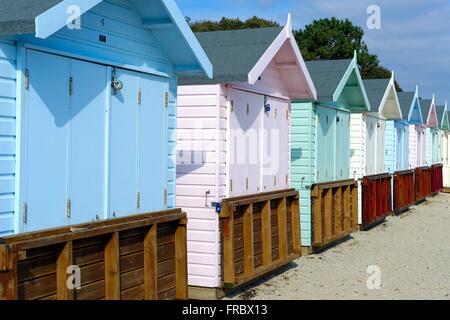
(8, 274)
(181, 272)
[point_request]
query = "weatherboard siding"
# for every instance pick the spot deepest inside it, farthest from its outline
(171, 144)
(198, 161)
(412, 146)
(429, 147)
(303, 159)
(357, 145)
(391, 138)
(7, 135)
(127, 42)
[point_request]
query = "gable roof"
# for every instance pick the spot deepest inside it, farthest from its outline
(442, 115)
(429, 112)
(340, 81)
(425, 107)
(168, 25)
(411, 107)
(376, 89)
(233, 53)
(242, 56)
(327, 75)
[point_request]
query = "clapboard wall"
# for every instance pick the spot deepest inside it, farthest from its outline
(391, 138)
(7, 135)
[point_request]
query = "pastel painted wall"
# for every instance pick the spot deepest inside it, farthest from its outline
(320, 153)
(7, 135)
(391, 138)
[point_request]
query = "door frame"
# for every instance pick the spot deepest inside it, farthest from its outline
(21, 114)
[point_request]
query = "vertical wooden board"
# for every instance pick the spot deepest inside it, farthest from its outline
(354, 206)
(63, 261)
(266, 235)
(317, 217)
(150, 264)
(328, 214)
(282, 229)
(338, 216)
(296, 231)
(9, 284)
(112, 268)
(366, 205)
(228, 245)
(346, 203)
(248, 240)
(181, 271)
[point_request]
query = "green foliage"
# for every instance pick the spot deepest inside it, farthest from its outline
(230, 24)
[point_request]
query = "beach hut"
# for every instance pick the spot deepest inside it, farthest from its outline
(445, 146)
(233, 157)
(87, 109)
(428, 109)
(410, 103)
(369, 131)
(321, 152)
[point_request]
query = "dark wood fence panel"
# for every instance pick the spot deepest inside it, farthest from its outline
(422, 183)
(376, 199)
(141, 257)
(437, 179)
(260, 233)
(404, 196)
(334, 211)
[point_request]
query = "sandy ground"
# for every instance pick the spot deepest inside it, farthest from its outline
(412, 252)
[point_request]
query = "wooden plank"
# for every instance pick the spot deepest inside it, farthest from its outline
(63, 261)
(328, 214)
(248, 240)
(9, 287)
(354, 206)
(317, 215)
(228, 246)
(296, 229)
(282, 230)
(151, 263)
(112, 268)
(181, 271)
(338, 215)
(347, 209)
(266, 235)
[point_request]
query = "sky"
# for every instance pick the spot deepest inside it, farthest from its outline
(414, 39)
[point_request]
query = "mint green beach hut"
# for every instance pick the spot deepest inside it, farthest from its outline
(321, 152)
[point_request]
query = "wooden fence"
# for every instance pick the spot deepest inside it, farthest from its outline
(376, 199)
(437, 179)
(422, 184)
(404, 196)
(260, 233)
(334, 211)
(142, 257)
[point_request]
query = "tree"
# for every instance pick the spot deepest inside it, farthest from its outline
(329, 39)
(230, 24)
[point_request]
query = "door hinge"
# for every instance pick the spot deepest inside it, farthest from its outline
(287, 179)
(139, 97)
(25, 213)
(27, 79)
(276, 113)
(248, 109)
(287, 115)
(275, 181)
(69, 208)
(166, 99)
(70, 86)
(231, 185)
(138, 200)
(231, 106)
(165, 197)
(246, 183)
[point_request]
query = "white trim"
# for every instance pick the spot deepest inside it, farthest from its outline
(242, 86)
(269, 55)
(390, 87)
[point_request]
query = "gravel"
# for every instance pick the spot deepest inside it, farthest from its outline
(411, 250)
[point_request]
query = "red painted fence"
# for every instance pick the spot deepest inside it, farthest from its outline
(422, 182)
(377, 201)
(437, 179)
(404, 196)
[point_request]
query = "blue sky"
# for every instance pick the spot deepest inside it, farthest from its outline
(414, 40)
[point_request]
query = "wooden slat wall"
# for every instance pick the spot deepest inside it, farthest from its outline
(422, 182)
(437, 179)
(377, 201)
(147, 262)
(403, 191)
(259, 234)
(335, 211)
